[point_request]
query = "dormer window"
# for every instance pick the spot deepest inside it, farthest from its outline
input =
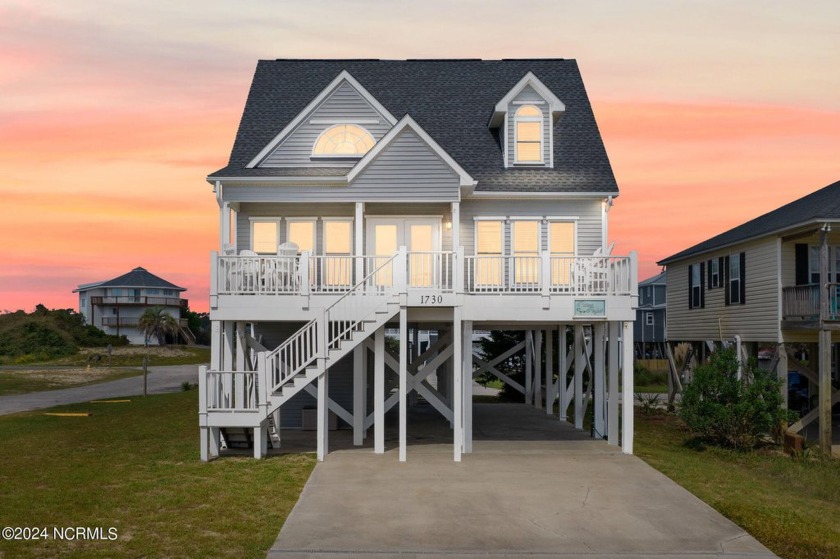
(343, 140)
(529, 134)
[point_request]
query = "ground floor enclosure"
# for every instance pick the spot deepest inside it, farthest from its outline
(404, 365)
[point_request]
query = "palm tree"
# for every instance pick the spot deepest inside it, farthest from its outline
(155, 322)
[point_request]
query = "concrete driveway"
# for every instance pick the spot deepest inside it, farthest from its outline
(160, 380)
(532, 487)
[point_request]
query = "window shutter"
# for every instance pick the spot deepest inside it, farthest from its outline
(802, 275)
(743, 283)
(709, 277)
(725, 274)
(720, 272)
(702, 285)
(690, 286)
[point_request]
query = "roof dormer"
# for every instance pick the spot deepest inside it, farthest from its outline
(526, 118)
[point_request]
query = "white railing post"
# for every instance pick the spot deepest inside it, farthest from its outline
(400, 271)
(262, 382)
(545, 273)
(214, 280)
(634, 277)
(303, 270)
(322, 335)
(458, 270)
(202, 391)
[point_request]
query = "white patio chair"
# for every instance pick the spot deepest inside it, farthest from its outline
(249, 270)
(284, 273)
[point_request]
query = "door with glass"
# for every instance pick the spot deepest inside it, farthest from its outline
(420, 236)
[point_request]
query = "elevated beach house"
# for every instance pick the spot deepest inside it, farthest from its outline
(771, 288)
(649, 329)
(419, 196)
(116, 305)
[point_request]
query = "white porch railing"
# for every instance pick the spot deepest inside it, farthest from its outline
(231, 390)
(574, 275)
(433, 270)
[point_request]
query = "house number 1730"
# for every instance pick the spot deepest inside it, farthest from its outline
(431, 299)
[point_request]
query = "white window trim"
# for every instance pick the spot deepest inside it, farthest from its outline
(314, 155)
(402, 221)
(349, 220)
(574, 232)
(253, 220)
(539, 221)
(502, 236)
(648, 319)
(516, 121)
(314, 220)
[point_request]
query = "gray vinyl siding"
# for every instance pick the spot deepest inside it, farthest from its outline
(340, 376)
(755, 321)
(407, 168)
(343, 104)
(528, 94)
(588, 213)
(644, 333)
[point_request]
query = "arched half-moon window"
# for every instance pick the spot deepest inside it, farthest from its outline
(343, 140)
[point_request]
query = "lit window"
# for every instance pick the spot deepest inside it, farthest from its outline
(526, 251)
(529, 124)
(561, 235)
(338, 268)
(302, 233)
(264, 237)
(343, 140)
(488, 252)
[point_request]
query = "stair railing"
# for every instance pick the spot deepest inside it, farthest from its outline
(335, 323)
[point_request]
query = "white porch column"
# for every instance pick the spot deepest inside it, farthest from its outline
(612, 411)
(538, 369)
(215, 345)
(260, 442)
(549, 372)
(457, 386)
(529, 358)
(598, 385)
(224, 225)
(359, 391)
(240, 359)
(379, 391)
(359, 237)
(323, 415)
(456, 225)
(403, 379)
(467, 367)
(580, 365)
(562, 370)
(228, 349)
(627, 389)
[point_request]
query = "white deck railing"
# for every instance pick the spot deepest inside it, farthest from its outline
(581, 275)
(230, 390)
(803, 302)
(433, 270)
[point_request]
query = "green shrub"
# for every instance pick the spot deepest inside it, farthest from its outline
(722, 409)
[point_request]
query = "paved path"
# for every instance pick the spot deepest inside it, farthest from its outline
(532, 487)
(160, 380)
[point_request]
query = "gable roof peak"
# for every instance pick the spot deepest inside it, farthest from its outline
(555, 105)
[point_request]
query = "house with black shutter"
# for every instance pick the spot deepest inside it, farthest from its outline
(771, 287)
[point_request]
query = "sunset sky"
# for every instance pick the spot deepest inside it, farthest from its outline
(112, 113)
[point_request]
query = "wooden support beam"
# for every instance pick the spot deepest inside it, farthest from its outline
(824, 390)
(580, 366)
(627, 389)
(457, 386)
(565, 361)
(379, 391)
(529, 359)
(538, 366)
(403, 391)
(612, 406)
(359, 392)
(550, 387)
(598, 391)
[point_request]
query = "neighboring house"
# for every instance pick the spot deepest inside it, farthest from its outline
(433, 197)
(770, 284)
(649, 328)
(116, 305)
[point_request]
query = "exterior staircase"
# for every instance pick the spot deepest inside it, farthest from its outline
(248, 398)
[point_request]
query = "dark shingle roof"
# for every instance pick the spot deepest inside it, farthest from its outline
(658, 279)
(824, 204)
(453, 101)
(139, 277)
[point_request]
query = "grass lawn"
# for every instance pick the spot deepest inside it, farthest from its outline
(651, 389)
(136, 467)
(32, 379)
(791, 506)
